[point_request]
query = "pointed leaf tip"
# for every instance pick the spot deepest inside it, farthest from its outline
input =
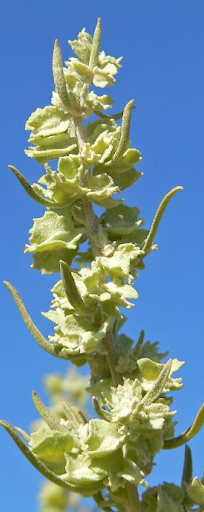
(156, 221)
(45, 414)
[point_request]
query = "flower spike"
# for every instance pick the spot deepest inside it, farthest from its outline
(99, 257)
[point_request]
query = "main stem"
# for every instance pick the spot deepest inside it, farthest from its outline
(92, 229)
(133, 498)
(108, 341)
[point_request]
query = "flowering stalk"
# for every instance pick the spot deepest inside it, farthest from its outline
(109, 456)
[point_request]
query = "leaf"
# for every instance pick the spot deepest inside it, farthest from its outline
(95, 46)
(31, 192)
(150, 371)
(48, 261)
(78, 334)
(103, 438)
(53, 133)
(49, 121)
(121, 401)
(72, 291)
(59, 79)
(82, 46)
(34, 331)
(102, 413)
(126, 179)
(166, 503)
(132, 473)
(51, 421)
(105, 116)
(188, 466)
(158, 386)
(196, 491)
(34, 460)
(138, 346)
(58, 146)
(81, 474)
(50, 445)
(125, 132)
(100, 188)
(122, 261)
(54, 232)
(155, 224)
(105, 71)
(187, 434)
(122, 220)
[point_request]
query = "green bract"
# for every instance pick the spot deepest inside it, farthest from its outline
(98, 244)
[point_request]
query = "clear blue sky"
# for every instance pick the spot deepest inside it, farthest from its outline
(162, 44)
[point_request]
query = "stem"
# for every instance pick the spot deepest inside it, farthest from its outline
(91, 218)
(112, 358)
(133, 498)
(92, 229)
(131, 490)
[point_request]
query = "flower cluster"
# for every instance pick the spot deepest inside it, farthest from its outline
(98, 244)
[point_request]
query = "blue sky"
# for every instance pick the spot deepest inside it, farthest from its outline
(163, 70)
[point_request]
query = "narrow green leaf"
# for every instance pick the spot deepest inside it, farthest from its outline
(34, 460)
(74, 415)
(188, 466)
(51, 421)
(34, 331)
(59, 79)
(125, 131)
(101, 502)
(102, 413)
(158, 386)
(188, 434)
(106, 116)
(138, 346)
(23, 434)
(155, 224)
(71, 291)
(95, 46)
(31, 192)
